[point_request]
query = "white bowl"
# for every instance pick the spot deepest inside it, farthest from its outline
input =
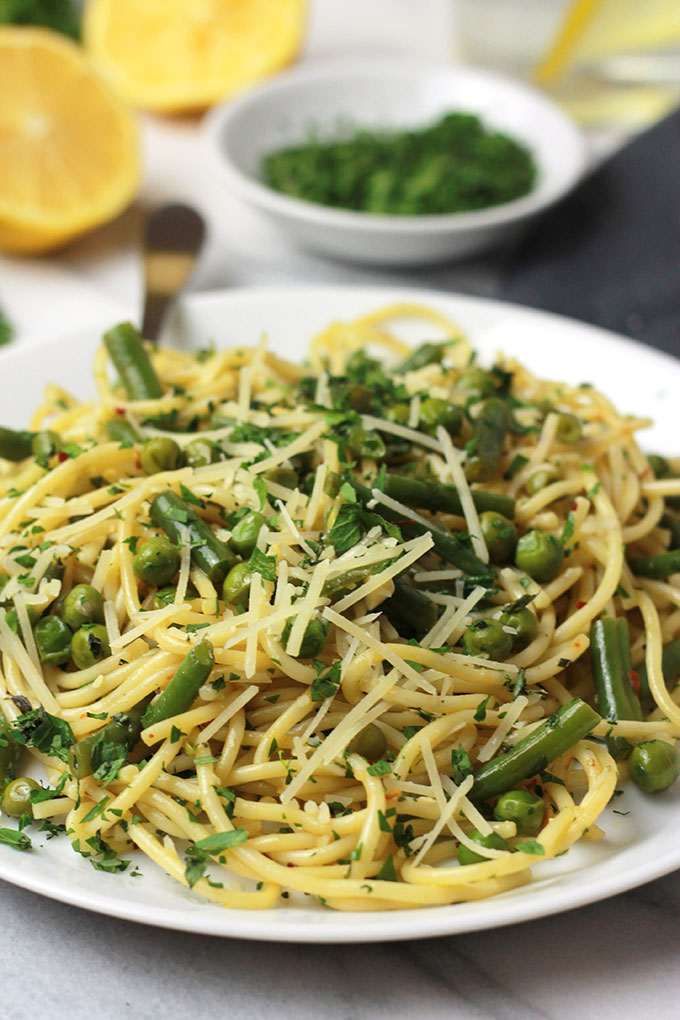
(390, 93)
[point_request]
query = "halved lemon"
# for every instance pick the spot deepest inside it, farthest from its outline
(69, 155)
(176, 55)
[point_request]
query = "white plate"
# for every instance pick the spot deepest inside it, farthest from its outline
(395, 93)
(638, 846)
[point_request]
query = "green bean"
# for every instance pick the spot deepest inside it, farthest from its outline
(182, 524)
(492, 842)
(500, 535)
(132, 362)
(488, 436)
(124, 728)
(44, 445)
(569, 429)
(179, 695)
(670, 666)
(654, 766)
(541, 479)
(478, 383)
(426, 354)
(10, 752)
(658, 567)
(410, 612)
(434, 412)
(365, 443)
(445, 498)
(15, 445)
(245, 533)
(121, 431)
(160, 454)
(610, 664)
(536, 751)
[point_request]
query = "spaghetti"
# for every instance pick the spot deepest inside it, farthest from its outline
(341, 618)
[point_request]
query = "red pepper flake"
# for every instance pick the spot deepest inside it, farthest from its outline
(119, 410)
(62, 456)
(580, 604)
(634, 678)
(138, 462)
(574, 505)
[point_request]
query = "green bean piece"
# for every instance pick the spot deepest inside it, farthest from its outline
(179, 695)
(200, 452)
(524, 625)
(313, 640)
(500, 536)
(670, 666)
(90, 644)
(657, 567)
(614, 695)
(83, 604)
(445, 498)
(370, 743)
(121, 431)
(160, 454)
(245, 533)
(44, 445)
(156, 561)
(410, 611)
(10, 752)
(286, 477)
(536, 751)
(485, 449)
(124, 728)
(659, 465)
(492, 842)
(523, 808)
(236, 585)
(478, 383)
(15, 445)
(53, 640)
(166, 596)
(671, 523)
(540, 555)
(132, 362)
(434, 412)
(486, 639)
(181, 523)
(569, 429)
(425, 354)
(365, 443)
(16, 797)
(654, 766)
(540, 480)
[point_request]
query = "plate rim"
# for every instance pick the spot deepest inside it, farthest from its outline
(296, 924)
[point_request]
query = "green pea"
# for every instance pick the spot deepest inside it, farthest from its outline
(370, 743)
(53, 640)
(360, 398)
(44, 445)
(285, 477)
(434, 412)
(83, 604)
(398, 413)
(160, 454)
(200, 452)
(313, 640)
(541, 479)
(539, 555)
(166, 596)
(569, 429)
(487, 639)
(492, 842)
(12, 620)
(521, 807)
(654, 765)
(16, 797)
(477, 382)
(89, 645)
(659, 465)
(525, 625)
(244, 536)
(500, 535)
(365, 443)
(236, 585)
(156, 561)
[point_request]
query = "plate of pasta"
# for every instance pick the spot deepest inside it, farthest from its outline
(343, 601)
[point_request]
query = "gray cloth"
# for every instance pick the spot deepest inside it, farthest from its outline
(610, 253)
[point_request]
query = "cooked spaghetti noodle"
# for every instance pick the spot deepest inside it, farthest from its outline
(352, 702)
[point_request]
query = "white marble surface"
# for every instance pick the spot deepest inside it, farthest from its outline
(613, 959)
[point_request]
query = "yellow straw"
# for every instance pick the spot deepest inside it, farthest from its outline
(568, 38)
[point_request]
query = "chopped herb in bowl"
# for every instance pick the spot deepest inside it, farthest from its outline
(454, 165)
